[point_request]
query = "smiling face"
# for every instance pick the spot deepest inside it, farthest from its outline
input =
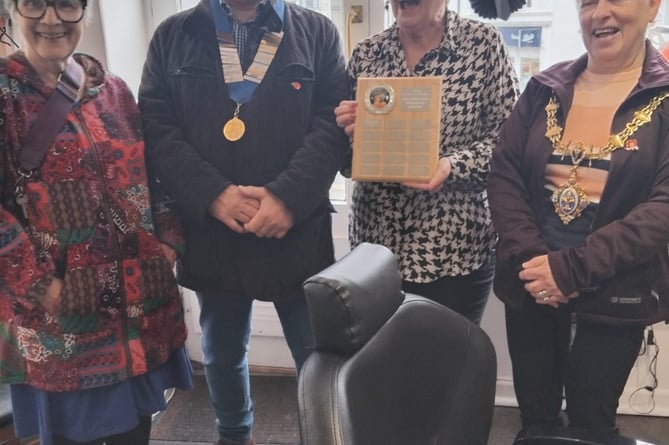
(614, 32)
(48, 41)
(414, 15)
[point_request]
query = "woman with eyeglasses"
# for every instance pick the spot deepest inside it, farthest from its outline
(91, 320)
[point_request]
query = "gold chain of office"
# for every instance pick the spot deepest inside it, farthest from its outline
(570, 198)
(616, 141)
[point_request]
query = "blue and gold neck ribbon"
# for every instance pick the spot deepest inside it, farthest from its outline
(242, 86)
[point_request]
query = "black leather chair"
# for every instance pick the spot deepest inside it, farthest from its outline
(387, 369)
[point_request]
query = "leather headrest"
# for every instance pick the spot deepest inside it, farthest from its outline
(350, 300)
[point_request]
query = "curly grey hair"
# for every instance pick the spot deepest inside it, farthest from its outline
(10, 7)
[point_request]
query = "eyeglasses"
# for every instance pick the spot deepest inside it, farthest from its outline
(67, 11)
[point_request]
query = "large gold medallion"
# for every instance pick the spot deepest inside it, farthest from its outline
(234, 129)
(569, 201)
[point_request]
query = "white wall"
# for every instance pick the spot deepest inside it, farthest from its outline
(93, 41)
(124, 28)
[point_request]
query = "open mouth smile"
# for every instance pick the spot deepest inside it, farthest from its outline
(51, 35)
(605, 32)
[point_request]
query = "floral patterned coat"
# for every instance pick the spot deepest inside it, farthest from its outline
(89, 223)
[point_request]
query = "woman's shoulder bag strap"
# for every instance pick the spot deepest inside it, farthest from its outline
(51, 118)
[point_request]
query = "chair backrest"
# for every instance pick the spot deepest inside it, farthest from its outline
(388, 369)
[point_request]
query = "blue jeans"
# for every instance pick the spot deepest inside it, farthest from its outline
(226, 328)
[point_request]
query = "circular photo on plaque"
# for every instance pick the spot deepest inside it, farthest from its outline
(379, 99)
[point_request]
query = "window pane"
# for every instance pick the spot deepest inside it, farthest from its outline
(338, 190)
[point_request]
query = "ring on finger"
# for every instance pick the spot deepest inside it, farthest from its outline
(543, 294)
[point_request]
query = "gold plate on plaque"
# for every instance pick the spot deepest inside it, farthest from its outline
(234, 129)
(397, 128)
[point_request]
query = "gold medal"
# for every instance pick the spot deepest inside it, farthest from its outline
(234, 129)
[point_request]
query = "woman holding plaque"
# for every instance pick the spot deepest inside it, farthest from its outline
(91, 317)
(579, 194)
(441, 231)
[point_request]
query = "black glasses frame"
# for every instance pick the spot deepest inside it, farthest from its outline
(52, 3)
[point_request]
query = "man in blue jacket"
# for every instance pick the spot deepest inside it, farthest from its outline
(237, 101)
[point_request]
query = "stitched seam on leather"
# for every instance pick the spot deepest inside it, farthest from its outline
(341, 293)
(336, 418)
(304, 411)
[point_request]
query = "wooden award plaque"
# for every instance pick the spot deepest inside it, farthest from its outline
(397, 129)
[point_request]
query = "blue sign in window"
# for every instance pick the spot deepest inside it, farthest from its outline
(520, 37)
